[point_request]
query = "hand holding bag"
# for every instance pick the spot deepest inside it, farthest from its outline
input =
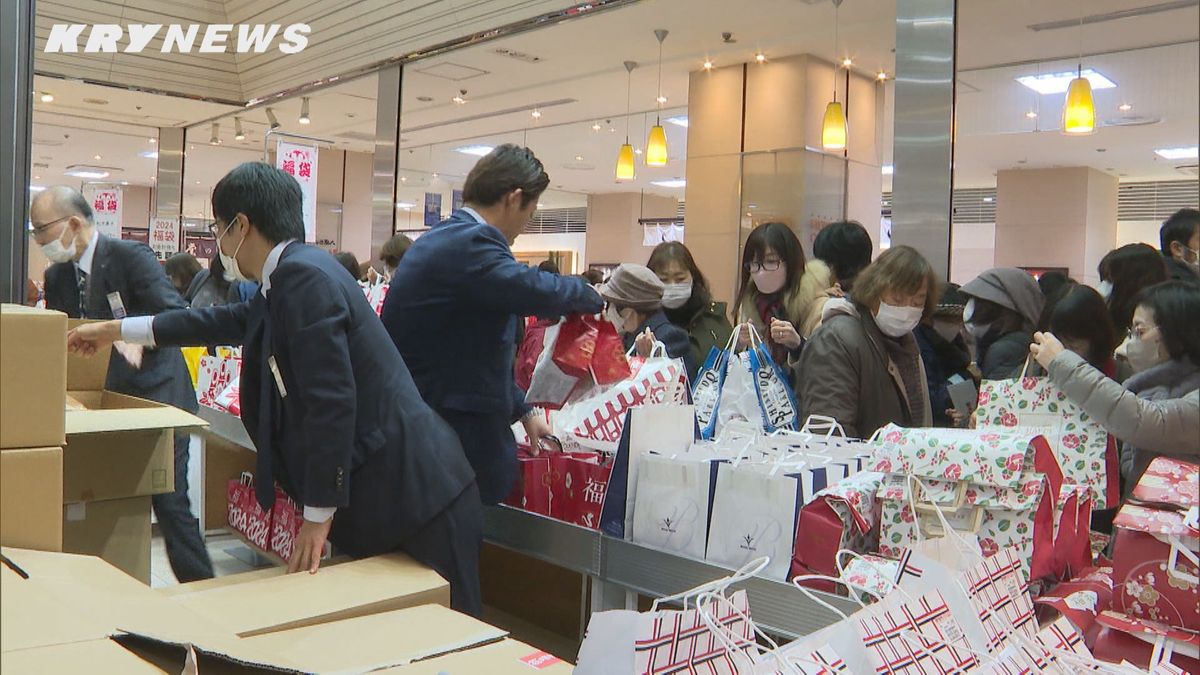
(575, 346)
(549, 386)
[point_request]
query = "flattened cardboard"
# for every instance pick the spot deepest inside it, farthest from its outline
(31, 498)
(235, 579)
(96, 656)
(33, 359)
(116, 530)
(337, 592)
(507, 657)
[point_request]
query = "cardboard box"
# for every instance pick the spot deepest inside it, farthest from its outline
(116, 530)
(33, 359)
(31, 498)
(223, 462)
(118, 446)
(348, 590)
(234, 579)
(96, 656)
(507, 657)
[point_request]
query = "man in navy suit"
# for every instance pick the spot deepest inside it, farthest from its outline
(325, 397)
(453, 307)
(97, 277)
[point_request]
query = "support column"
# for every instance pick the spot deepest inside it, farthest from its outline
(387, 144)
(926, 35)
(16, 112)
(1043, 215)
(168, 185)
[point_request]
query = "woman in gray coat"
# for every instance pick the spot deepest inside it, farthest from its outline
(1157, 412)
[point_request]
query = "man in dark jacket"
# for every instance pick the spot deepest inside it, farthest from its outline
(326, 399)
(97, 277)
(1180, 244)
(454, 321)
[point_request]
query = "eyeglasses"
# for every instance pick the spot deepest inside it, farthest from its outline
(768, 265)
(217, 229)
(38, 229)
(1138, 332)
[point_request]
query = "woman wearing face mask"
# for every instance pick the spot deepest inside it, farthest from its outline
(635, 295)
(781, 295)
(687, 301)
(863, 367)
(1003, 307)
(944, 354)
(1157, 412)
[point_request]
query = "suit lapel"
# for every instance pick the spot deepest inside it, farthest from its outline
(97, 306)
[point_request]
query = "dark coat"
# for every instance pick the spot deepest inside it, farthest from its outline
(451, 312)
(942, 359)
(348, 429)
(707, 326)
(674, 338)
(130, 269)
(1000, 356)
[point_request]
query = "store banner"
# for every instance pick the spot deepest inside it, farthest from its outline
(203, 246)
(164, 236)
(106, 204)
(433, 208)
(300, 161)
(456, 200)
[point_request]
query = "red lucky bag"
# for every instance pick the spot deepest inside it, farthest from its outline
(1072, 537)
(244, 513)
(531, 491)
(1138, 641)
(1154, 566)
(286, 518)
(609, 363)
(843, 516)
(575, 346)
(579, 481)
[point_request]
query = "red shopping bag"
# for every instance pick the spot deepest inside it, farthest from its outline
(1081, 600)
(844, 516)
(1155, 579)
(1072, 538)
(244, 513)
(1123, 638)
(531, 491)
(579, 481)
(575, 346)
(609, 363)
(286, 519)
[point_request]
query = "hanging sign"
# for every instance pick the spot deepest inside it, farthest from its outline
(433, 208)
(106, 209)
(164, 236)
(300, 162)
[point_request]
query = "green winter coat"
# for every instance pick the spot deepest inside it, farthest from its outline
(707, 325)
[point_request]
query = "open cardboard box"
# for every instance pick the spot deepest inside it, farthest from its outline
(118, 446)
(335, 592)
(506, 657)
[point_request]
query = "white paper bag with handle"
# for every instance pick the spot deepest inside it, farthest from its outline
(754, 515)
(672, 498)
(664, 429)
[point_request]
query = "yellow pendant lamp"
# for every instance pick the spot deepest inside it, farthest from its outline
(656, 144)
(625, 163)
(833, 126)
(1079, 112)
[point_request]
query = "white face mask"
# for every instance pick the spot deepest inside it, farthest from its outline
(770, 282)
(896, 321)
(232, 271)
(1105, 288)
(676, 295)
(1143, 354)
(969, 310)
(57, 253)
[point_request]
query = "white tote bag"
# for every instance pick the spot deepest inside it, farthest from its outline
(754, 515)
(672, 498)
(663, 429)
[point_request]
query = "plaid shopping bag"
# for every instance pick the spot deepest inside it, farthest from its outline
(916, 638)
(671, 641)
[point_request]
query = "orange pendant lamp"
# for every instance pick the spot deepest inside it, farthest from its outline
(625, 163)
(656, 143)
(1079, 111)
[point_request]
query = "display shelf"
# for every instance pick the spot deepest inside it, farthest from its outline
(777, 606)
(226, 425)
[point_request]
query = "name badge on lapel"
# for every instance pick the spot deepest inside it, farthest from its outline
(278, 378)
(116, 305)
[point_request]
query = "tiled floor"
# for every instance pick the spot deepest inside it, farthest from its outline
(229, 556)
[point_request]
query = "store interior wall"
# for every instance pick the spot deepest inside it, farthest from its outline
(614, 234)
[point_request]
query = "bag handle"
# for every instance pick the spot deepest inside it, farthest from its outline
(947, 530)
(1025, 368)
(247, 479)
(814, 423)
(1087, 663)
(745, 572)
(733, 643)
(1178, 548)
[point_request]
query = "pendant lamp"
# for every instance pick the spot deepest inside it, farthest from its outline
(625, 164)
(1079, 110)
(656, 144)
(833, 126)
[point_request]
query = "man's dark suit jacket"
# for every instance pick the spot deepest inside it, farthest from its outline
(451, 310)
(128, 268)
(351, 431)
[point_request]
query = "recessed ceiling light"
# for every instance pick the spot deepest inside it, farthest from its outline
(1177, 153)
(1032, 114)
(197, 182)
(149, 154)
(881, 76)
(888, 169)
(461, 97)
(541, 205)
(536, 114)
(403, 179)
(673, 183)
(578, 158)
(760, 57)
(596, 126)
(989, 199)
(475, 150)
(47, 97)
(847, 62)
(152, 140)
(661, 99)
(638, 151)
(678, 120)
(84, 171)
(37, 177)
(95, 156)
(708, 64)
(124, 182)
(1124, 107)
(1057, 83)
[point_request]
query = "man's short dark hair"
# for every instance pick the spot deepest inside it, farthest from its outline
(1179, 227)
(270, 198)
(846, 247)
(503, 170)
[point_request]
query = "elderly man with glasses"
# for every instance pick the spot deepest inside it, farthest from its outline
(98, 277)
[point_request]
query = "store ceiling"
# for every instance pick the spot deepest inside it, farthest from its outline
(578, 81)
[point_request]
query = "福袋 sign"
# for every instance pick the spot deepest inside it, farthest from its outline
(164, 236)
(300, 161)
(107, 204)
(215, 38)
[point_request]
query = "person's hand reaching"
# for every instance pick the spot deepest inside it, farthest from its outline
(89, 338)
(1044, 348)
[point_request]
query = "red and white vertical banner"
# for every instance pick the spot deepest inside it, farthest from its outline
(106, 208)
(300, 161)
(164, 236)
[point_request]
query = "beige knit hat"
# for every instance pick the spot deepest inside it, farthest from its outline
(633, 286)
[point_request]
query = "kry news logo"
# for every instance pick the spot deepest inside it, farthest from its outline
(217, 38)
